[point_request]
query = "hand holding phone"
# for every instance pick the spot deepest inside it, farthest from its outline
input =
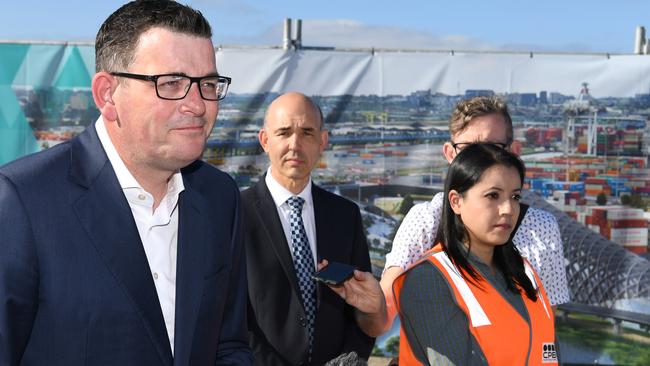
(334, 273)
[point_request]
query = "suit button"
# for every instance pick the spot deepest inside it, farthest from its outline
(303, 321)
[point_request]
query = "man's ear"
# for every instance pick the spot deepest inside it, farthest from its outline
(103, 86)
(324, 138)
(448, 151)
(263, 138)
(515, 147)
(455, 201)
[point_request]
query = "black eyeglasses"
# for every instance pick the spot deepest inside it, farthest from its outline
(176, 86)
(458, 146)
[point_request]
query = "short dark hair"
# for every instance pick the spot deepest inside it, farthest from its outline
(468, 109)
(465, 171)
(118, 37)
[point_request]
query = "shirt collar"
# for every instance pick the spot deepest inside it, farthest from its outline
(478, 264)
(124, 176)
(127, 181)
(281, 195)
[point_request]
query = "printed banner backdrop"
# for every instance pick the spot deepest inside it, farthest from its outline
(402, 73)
(39, 84)
(386, 112)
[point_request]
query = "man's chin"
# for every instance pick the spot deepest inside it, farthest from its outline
(297, 173)
(182, 159)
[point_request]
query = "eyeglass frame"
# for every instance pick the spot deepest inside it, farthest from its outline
(501, 145)
(196, 79)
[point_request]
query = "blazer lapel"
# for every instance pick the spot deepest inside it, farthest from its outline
(266, 211)
(104, 213)
(325, 227)
(189, 271)
(326, 232)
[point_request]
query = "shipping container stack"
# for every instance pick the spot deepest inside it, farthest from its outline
(639, 186)
(606, 141)
(610, 185)
(617, 186)
(543, 137)
(569, 202)
(595, 185)
(581, 144)
(622, 225)
(549, 187)
(535, 184)
(613, 177)
(630, 142)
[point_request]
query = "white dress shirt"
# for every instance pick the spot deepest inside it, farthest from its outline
(280, 196)
(158, 229)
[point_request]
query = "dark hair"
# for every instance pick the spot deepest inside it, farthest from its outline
(465, 171)
(468, 109)
(118, 37)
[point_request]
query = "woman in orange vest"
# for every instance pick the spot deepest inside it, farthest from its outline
(472, 299)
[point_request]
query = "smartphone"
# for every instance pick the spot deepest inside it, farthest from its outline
(334, 274)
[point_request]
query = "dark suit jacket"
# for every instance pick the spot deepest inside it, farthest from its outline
(276, 314)
(75, 284)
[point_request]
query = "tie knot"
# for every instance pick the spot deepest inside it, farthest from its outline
(296, 203)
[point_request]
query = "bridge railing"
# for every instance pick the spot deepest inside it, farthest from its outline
(617, 316)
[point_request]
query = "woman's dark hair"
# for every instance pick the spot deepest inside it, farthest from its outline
(465, 171)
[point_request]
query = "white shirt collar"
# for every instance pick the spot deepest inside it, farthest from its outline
(127, 181)
(281, 195)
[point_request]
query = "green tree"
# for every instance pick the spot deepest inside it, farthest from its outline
(392, 346)
(625, 199)
(377, 352)
(601, 199)
(406, 204)
(637, 201)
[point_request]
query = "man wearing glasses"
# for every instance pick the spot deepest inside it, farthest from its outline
(484, 119)
(120, 247)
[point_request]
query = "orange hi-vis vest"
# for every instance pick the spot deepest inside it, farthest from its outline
(503, 335)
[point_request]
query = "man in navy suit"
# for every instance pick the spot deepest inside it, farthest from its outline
(293, 321)
(120, 247)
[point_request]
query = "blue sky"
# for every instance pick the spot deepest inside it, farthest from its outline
(542, 25)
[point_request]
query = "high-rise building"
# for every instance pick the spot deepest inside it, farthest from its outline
(543, 97)
(471, 93)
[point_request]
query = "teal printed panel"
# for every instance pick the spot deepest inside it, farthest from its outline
(16, 136)
(11, 60)
(73, 74)
(45, 96)
(39, 68)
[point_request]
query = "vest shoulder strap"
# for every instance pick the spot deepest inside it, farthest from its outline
(477, 315)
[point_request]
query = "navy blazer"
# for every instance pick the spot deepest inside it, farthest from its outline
(75, 284)
(276, 317)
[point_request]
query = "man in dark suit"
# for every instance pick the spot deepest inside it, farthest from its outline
(119, 247)
(290, 225)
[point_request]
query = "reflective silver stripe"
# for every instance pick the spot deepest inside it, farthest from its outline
(477, 316)
(531, 277)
